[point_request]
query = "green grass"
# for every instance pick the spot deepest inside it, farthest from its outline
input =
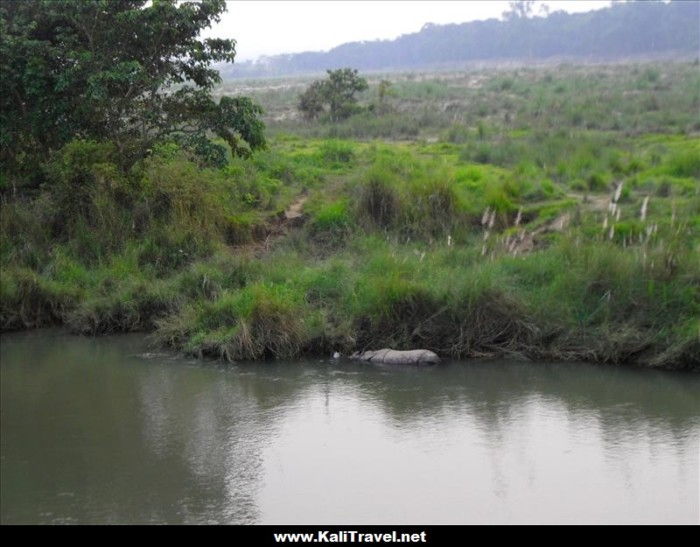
(456, 105)
(482, 226)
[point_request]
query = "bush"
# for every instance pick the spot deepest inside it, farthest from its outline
(133, 305)
(258, 321)
(28, 301)
(596, 182)
(243, 228)
(332, 223)
(89, 193)
(208, 280)
(432, 206)
(336, 153)
(379, 201)
(684, 164)
(167, 250)
(499, 199)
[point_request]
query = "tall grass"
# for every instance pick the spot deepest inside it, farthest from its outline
(544, 225)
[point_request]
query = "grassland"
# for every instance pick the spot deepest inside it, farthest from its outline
(544, 213)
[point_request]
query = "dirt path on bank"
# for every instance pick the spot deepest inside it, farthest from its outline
(274, 228)
(294, 210)
(525, 242)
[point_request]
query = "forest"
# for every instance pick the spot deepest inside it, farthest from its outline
(626, 30)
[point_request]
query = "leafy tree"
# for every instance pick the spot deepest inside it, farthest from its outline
(237, 121)
(131, 71)
(312, 100)
(337, 91)
(341, 86)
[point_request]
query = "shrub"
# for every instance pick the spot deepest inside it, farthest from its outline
(499, 199)
(242, 228)
(167, 249)
(89, 193)
(332, 222)
(29, 301)
(134, 305)
(379, 201)
(336, 153)
(596, 182)
(432, 205)
(684, 164)
(387, 309)
(258, 321)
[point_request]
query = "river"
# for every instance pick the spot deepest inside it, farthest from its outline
(108, 430)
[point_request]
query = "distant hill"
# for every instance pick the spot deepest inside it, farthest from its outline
(631, 29)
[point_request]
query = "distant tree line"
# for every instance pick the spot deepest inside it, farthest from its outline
(623, 30)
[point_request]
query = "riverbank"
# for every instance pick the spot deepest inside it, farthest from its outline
(500, 239)
(374, 267)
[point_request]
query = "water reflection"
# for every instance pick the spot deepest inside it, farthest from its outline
(95, 430)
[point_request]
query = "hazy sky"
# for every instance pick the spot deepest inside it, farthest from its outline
(271, 27)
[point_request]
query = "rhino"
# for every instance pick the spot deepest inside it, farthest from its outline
(396, 357)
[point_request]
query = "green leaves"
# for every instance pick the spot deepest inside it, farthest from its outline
(312, 100)
(337, 91)
(130, 71)
(236, 119)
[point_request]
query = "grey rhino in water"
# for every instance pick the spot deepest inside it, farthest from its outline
(396, 357)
